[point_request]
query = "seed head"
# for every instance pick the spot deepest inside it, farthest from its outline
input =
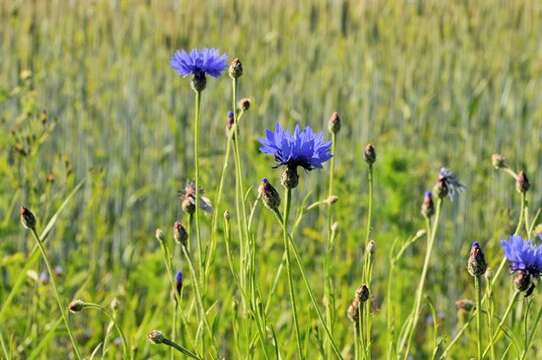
(76, 306)
(522, 183)
(156, 337)
(236, 68)
(269, 195)
(476, 264)
(369, 154)
(179, 233)
(334, 123)
(28, 219)
(428, 208)
(441, 188)
(498, 161)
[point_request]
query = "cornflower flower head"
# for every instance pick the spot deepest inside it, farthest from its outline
(199, 63)
(525, 260)
(188, 199)
(303, 148)
(450, 182)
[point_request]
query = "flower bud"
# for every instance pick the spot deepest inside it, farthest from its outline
(353, 312)
(334, 123)
(369, 154)
(244, 104)
(179, 233)
(428, 208)
(115, 303)
(44, 278)
(476, 264)
(441, 188)
(76, 306)
(229, 120)
(522, 183)
(289, 178)
(371, 248)
(199, 81)
(362, 293)
(28, 219)
(160, 236)
(335, 227)
(465, 305)
(236, 68)
(227, 215)
(269, 195)
(179, 282)
(498, 161)
(332, 199)
(156, 337)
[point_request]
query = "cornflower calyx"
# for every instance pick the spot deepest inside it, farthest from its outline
(269, 195)
(476, 264)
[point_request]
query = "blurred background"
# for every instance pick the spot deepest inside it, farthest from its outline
(86, 92)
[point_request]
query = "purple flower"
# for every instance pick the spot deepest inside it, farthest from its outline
(523, 255)
(179, 281)
(303, 148)
(199, 61)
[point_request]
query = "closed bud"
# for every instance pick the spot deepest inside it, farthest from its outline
(362, 293)
(179, 282)
(498, 161)
(371, 247)
(353, 312)
(156, 337)
(332, 199)
(428, 208)
(27, 218)
(269, 195)
(244, 104)
(476, 264)
(227, 215)
(522, 183)
(179, 233)
(465, 305)
(229, 120)
(160, 236)
(369, 154)
(199, 81)
(334, 123)
(289, 178)
(115, 303)
(236, 68)
(76, 306)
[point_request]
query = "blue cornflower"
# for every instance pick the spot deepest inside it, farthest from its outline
(523, 256)
(199, 63)
(179, 281)
(303, 148)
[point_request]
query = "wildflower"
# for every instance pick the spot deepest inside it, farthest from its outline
(156, 337)
(522, 183)
(179, 233)
(28, 219)
(498, 161)
(525, 260)
(179, 282)
(59, 271)
(236, 69)
(199, 63)
(362, 295)
(303, 148)
(369, 154)
(269, 195)
(448, 184)
(188, 199)
(44, 278)
(334, 123)
(428, 208)
(476, 265)
(76, 306)
(229, 120)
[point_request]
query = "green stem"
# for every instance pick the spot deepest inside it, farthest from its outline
(199, 298)
(501, 323)
(117, 327)
(287, 199)
(181, 349)
(196, 181)
(478, 314)
(533, 332)
(55, 291)
(419, 293)
(169, 268)
(367, 261)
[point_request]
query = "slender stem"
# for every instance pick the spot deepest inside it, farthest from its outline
(501, 323)
(419, 294)
(169, 268)
(287, 199)
(55, 291)
(198, 297)
(181, 349)
(521, 214)
(367, 261)
(533, 332)
(196, 181)
(117, 327)
(478, 314)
